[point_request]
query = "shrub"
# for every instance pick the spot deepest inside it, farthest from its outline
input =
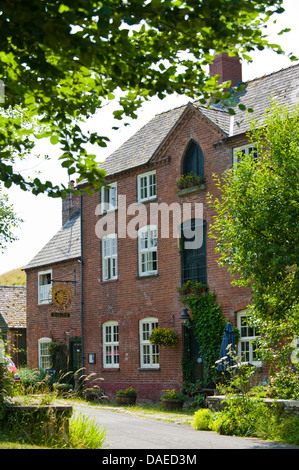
(85, 433)
(202, 419)
(285, 384)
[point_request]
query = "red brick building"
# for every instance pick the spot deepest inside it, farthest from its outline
(132, 262)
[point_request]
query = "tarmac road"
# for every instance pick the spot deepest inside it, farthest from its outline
(128, 431)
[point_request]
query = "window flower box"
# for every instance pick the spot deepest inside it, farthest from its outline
(189, 183)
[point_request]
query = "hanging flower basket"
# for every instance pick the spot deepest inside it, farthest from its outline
(167, 337)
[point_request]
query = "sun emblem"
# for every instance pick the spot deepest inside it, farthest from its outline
(61, 296)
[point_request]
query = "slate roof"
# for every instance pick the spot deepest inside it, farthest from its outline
(64, 246)
(139, 148)
(282, 86)
(13, 306)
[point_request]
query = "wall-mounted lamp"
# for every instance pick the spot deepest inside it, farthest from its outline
(185, 314)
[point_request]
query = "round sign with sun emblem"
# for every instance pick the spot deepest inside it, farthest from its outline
(61, 296)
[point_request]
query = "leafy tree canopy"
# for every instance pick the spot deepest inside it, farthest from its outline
(256, 223)
(8, 221)
(61, 61)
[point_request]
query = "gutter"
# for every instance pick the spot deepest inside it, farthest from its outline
(81, 275)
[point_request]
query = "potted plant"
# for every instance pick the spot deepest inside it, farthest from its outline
(172, 400)
(93, 393)
(127, 396)
(189, 180)
(167, 337)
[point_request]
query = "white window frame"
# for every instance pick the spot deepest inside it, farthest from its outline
(247, 340)
(109, 257)
(44, 289)
(147, 250)
(147, 186)
(44, 356)
(246, 150)
(109, 198)
(110, 345)
(149, 353)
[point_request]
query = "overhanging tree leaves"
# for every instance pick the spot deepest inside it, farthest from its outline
(8, 221)
(60, 62)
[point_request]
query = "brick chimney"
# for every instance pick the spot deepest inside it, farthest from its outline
(228, 68)
(70, 204)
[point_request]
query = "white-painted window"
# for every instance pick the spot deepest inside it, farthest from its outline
(109, 257)
(147, 250)
(109, 198)
(147, 186)
(241, 152)
(44, 286)
(44, 356)
(110, 345)
(247, 342)
(149, 353)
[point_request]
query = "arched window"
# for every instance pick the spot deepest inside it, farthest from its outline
(193, 161)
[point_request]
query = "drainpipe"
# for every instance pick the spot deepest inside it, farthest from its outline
(82, 302)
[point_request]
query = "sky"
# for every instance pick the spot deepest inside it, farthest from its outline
(42, 215)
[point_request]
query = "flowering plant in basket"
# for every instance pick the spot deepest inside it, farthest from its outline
(172, 395)
(128, 392)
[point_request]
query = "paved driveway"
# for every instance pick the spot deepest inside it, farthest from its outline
(127, 431)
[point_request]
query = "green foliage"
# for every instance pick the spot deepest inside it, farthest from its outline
(6, 386)
(167, 337)
(8, 221)
(284, 384)
(85, 433)
(202, 419)
(256, 229)
(61, 69)
(207, 323)
(189, 180)
(191, 288)
(250, 417)
(172, 395)
(15, 277)
(58, 356)
(128, 392)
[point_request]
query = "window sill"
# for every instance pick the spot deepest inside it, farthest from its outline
(193, 189)
(107, 281)
(146, 276)
(110, 369)
(148, 369)
(143, 201)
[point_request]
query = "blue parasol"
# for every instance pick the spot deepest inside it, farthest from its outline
(227, 346)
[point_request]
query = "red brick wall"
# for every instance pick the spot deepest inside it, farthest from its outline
(40, 323)
(228, 68)
(129, 298)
